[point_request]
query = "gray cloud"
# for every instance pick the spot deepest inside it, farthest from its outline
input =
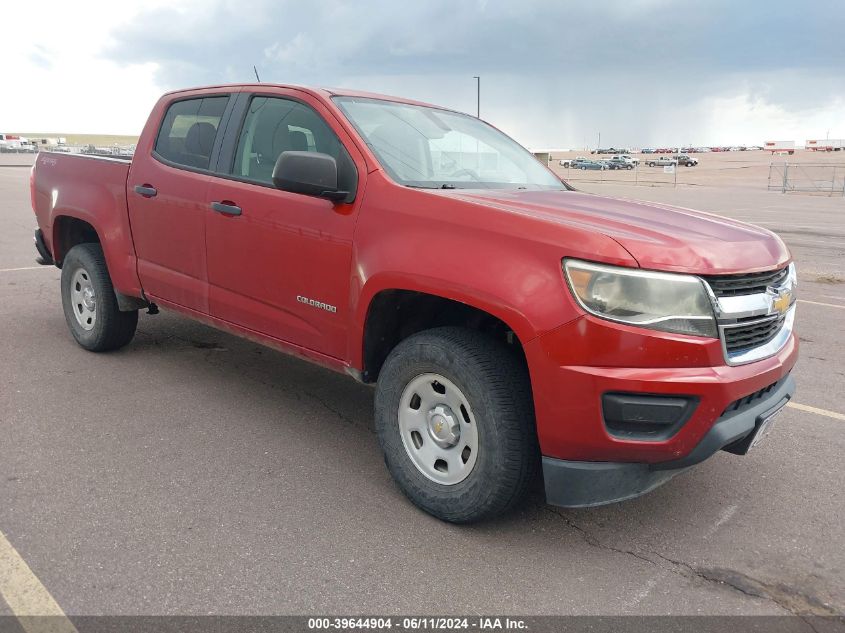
(639, 69)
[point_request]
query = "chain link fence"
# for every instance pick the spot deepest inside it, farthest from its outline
(807, 177)
(639, 174)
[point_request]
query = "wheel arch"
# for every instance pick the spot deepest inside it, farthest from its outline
(391, 312)
(70, 226)
(68, 231)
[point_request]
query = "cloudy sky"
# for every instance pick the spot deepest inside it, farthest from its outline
(554, 73)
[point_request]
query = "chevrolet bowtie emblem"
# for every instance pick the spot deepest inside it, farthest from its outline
(438, 426)
(782, 302)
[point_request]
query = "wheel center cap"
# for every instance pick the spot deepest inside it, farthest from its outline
(443, 426)
(88, 298)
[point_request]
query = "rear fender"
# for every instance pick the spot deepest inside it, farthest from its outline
(113, 235)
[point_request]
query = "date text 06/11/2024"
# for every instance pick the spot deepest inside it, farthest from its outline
(418, 623)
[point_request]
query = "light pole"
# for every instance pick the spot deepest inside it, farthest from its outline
(477, 96)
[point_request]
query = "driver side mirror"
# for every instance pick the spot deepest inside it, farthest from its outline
(308, 173)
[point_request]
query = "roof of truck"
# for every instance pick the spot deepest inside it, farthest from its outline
(320, 91)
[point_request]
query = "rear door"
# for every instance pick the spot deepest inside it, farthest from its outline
(166, 195)
(279, 263)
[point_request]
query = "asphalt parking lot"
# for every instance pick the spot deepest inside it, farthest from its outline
(193, 472)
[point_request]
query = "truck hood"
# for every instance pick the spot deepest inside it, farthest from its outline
(658, 236)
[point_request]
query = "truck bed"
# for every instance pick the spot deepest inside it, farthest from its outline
(69, 189)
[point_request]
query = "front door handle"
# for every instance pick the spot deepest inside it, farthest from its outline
(226, 208)
(148, 191)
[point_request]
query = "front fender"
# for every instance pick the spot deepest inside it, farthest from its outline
(506, 264)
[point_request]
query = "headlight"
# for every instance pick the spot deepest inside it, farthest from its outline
(658, 301)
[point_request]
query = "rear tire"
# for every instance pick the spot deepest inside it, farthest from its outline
(486, 446)
(89, 302)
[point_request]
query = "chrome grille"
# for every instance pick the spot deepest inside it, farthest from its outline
(752, 333)
(745, 284)
(755, 312)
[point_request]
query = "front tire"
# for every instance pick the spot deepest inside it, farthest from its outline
(454, 416)
(89, 302)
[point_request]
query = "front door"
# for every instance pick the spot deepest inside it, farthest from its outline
(279, 262)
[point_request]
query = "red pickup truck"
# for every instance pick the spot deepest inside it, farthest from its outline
(512, 326)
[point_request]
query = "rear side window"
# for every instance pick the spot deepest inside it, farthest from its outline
(274, 125)
(188, 131)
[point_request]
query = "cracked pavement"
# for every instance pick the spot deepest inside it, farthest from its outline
(194, 473)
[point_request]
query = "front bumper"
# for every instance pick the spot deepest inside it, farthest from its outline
(574, 484)
(573, 366)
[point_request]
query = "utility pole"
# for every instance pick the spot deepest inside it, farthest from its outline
(599, 143)
(477, 96)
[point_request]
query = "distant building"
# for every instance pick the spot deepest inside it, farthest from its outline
(546, 156)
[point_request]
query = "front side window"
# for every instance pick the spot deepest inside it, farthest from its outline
(427, 147)
(188, 131)
(274, 125)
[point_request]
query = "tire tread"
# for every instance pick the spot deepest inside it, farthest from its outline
(118, 328)
(507, 391)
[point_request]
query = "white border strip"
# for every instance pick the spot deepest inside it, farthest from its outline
(11, 270)
(816, 410)
(819, 303)
(27, 597)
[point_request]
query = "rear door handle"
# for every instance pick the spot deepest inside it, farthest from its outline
(148, 191)
(225, 208)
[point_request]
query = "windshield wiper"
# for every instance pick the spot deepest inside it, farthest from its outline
(445, 185)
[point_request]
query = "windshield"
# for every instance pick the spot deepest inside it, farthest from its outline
(432, 148)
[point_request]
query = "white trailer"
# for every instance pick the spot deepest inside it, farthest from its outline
(827, 145)
(780, 147)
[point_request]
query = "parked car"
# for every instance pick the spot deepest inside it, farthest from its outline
(617, 162)
(18, 146)
(567, 162)
(626, 159)
(607, 343)
(608, 164)
(663, 161)
(686, 160)
(588, 164)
